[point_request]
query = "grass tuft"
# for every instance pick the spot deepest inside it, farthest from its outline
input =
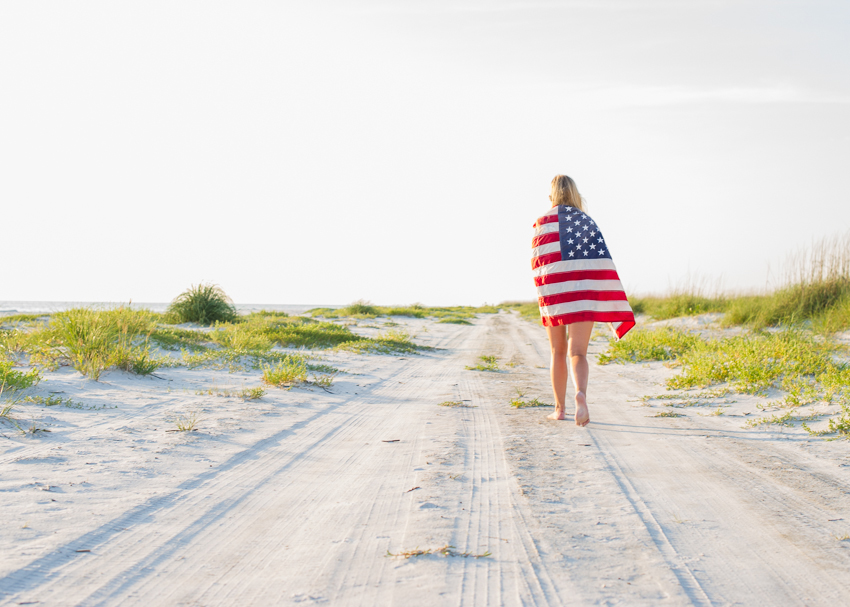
(204, 304)
(187, 422)
(488, 363)
(95, 340)
(287, 373)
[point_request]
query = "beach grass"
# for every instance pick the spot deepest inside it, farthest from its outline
(487, 362)
(529, 310)
(204, 304)
(18, 319)
(813, 290)
(90, 340)
(804, 367)
(366, 310)
(648, 345)
(188, 422)
(286, 373)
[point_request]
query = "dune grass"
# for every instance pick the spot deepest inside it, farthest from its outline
(806, 368)
(486, 363)
(391, 341)
(453, 320)
(529, 310)
(12, 384)
(286, 373)
(90, 340)
(813, 290)
(364, 310)
(18, 319)
(204, 304)
(645, 345)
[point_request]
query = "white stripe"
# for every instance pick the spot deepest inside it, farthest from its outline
(585, 305)
(579, 285)
(549, 247)
(546, 228)
(572, 266)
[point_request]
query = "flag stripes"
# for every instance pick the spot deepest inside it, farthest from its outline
(574, 274)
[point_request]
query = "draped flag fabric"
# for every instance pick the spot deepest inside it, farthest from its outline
(575, 276)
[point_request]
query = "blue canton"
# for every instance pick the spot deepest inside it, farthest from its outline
(579, 236)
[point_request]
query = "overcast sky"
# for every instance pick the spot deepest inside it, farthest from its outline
(399, 151)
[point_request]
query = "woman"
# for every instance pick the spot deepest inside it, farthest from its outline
(577, 285)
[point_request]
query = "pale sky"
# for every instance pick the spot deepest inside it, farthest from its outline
(399, 151)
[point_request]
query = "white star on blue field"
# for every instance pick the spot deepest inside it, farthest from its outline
(579, 235)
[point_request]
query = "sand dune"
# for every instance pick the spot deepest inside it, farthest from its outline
(298, 498)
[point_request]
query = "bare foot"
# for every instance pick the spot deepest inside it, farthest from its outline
(558, 414)
(582, 415)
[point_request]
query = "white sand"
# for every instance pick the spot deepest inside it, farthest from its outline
(296, 499)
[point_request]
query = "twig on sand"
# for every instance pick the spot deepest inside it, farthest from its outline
(446, 551)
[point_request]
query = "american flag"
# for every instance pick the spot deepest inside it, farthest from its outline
(575, 276)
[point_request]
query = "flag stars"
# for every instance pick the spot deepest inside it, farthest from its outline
(580, 237)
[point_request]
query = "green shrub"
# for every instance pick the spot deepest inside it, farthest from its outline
(204, 304)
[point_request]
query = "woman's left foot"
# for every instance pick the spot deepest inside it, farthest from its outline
(582, 414)
(557, 415)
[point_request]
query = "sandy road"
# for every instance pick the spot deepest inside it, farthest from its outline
(633, 510)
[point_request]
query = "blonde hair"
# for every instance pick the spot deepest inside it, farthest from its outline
(564, 191)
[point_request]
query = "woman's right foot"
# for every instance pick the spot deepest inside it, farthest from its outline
(582, 414)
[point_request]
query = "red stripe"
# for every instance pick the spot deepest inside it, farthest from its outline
(549, 279)
(544, 239)
(542, 260)
(551, 300)
(624, 328)
(545, 219)
(568, 319)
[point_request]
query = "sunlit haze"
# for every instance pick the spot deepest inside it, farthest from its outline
(400, 151)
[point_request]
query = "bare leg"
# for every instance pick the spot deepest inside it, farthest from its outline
(577, 351)
(558, 369)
